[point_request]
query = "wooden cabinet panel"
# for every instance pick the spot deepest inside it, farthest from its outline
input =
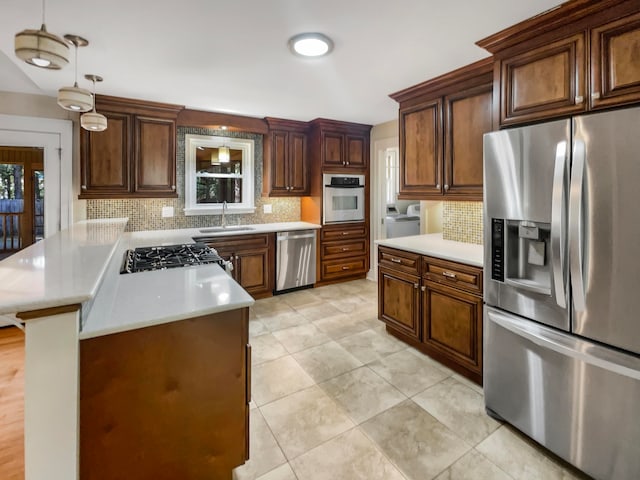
(343, 252)
(467, 117)
(106, 157)
(155, 164)
(286, 170)
(348, 267)
(615, 62)
(355, 153)
(457, 275)
(279, 158)
(453, 326)
(546, 81)
(399, 301)
(253, 271)
(342, 232)
(421, 150)
(345, 248)
(332, 147)
(399, 260)
(298, 169)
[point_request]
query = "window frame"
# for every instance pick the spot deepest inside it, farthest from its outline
(247, 146)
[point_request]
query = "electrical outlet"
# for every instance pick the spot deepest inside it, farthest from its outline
(267, 208)
(167, 212)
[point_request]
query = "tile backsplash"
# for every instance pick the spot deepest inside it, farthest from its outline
(462, 221)
(146, 213)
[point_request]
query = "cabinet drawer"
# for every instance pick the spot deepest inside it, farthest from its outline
(344, 249)
(237, 243)
(399, 260)
(344, 268)
(458, 275)
(342, 232)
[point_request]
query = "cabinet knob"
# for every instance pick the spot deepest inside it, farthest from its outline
(446, 187)
(438, 186)
(595, 95)
(396, 260)
(579, 99)
(173, 187)
(345, 249)
(83, 187)
(345, 268)
(348, 162)
(423, 288)
(415, 285)
(345, 233)
(449, 275)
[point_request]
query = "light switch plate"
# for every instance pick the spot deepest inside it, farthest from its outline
(267, 208)
(167, 212)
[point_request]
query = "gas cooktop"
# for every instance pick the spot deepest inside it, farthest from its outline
(168, 256)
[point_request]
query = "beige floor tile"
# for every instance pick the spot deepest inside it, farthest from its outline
(521, 458)
(277, 379)
(362, 393)
(407, 372)
(283, 472)
(433, 362)
(265, 452)
(301, 337)
(351, 303)
(304, 420)
(302, 298)
(352, 456)
(473, 466)
(269, 306)
(371, 345)
(329, 292)
(469, 383)
(265, 348)
(367, 313)
(257, 328)
(460, 408)
(282, 320)
(415, 441)
(341, 325)
(316, 312)
(326, 361)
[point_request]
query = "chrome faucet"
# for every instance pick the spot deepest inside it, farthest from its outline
(223, 222)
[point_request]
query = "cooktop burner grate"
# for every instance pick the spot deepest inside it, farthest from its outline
(168, 256)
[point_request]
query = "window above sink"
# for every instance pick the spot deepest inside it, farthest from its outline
(218, 169)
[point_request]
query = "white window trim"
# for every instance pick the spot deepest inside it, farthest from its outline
(192, 142)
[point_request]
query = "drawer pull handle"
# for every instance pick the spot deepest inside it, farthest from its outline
(345, 233)
(345, 249)
(449, 275)
(396, 260)
(415, 285)
(345, 268)
(423, 288)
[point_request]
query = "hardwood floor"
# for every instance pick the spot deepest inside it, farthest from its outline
(11, 404)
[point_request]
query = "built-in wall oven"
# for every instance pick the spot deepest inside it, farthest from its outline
(343, 199)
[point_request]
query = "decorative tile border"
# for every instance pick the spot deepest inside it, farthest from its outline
(146, 213)
(462, 221)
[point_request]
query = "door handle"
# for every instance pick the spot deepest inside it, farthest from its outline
(449, 275)
(396, 260)
(575, 225)
(558, 206)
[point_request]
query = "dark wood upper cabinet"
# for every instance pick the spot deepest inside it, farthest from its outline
(615, 62)
(582, 55)
(135, 156)
(286, 163)
(549, 80)
(343, 145)
(442, 122)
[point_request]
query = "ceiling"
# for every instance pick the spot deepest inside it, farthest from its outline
(233, 57)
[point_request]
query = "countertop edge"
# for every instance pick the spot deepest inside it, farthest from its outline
(439, 248)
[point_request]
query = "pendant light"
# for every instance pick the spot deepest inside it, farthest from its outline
(93, 121)
(41, 48)
(74, 98)
(223, 154)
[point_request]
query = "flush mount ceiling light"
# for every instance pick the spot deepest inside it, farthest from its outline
(75, 98)
(41, 48)
(93, 121)
(310, 44)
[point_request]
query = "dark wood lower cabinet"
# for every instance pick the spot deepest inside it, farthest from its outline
(437, 307)
(166, 402)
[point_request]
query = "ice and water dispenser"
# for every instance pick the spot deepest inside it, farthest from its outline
(520, 254)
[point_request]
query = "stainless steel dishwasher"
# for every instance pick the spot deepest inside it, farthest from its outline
(295, 259)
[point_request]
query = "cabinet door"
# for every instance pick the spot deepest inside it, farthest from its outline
(279, 174)
(332, 149)
(155, 156)
(467, 117)
(421, 150)
(105, 159)
(399, 301)
(615, 62)
(452, 329)
(254, 271)
(356, 154)
(545, 82)
(297, 164)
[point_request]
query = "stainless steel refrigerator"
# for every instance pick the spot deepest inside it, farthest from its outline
(562, 287)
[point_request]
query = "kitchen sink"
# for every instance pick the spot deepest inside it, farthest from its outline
(226, 229)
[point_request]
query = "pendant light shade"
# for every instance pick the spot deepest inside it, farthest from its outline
(41, 48)
(223, 154)
(93, 121)
(74, 98)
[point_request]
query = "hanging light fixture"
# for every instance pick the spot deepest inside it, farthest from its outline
(223, 154)
(41, 48)
(93, 121)
(75, 98)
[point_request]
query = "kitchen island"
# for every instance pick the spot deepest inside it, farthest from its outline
(93, 336)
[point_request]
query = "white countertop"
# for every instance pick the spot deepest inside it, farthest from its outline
(63, 269)
(434, 245)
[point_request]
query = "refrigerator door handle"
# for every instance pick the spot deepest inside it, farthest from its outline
(575, 225)
(558, 208)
